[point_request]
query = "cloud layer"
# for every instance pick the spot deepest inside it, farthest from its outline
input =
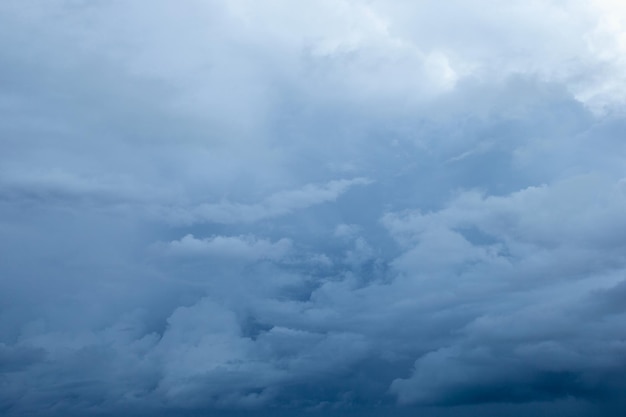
(330, 207)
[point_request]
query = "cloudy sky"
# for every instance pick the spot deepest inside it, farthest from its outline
(312, 207)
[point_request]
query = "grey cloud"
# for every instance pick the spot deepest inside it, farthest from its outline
(322, 208)
(14, 358)
(277, 204)
(535, 339)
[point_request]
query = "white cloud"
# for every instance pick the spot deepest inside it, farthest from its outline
(230, 247)
(275, 205)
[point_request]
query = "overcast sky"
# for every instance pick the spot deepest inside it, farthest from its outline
(312, 207)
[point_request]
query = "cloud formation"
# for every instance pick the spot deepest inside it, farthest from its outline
(323, 208)
(275, 205)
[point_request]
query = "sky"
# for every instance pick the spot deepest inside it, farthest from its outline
(315, 207)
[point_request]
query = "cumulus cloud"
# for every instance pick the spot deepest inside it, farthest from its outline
(329, 207)
(230, 247)
(535, 253)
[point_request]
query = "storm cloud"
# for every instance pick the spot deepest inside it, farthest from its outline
(312, 208)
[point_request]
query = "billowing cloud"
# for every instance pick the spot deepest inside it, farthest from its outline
(314, 208)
